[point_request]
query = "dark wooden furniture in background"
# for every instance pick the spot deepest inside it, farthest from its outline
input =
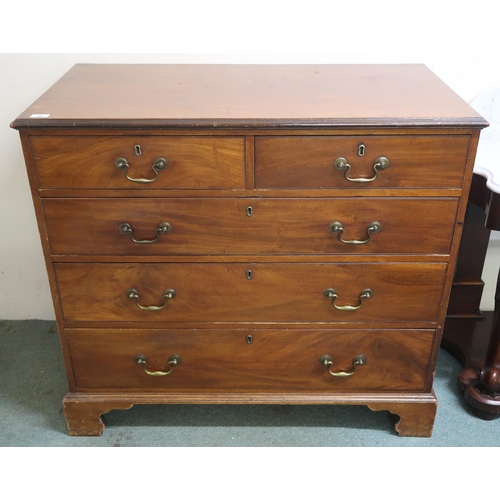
(472, 337)
(250, 234)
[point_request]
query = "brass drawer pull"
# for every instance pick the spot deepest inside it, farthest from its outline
(163, 228)
(173, 360)
(358, 360)
(381, 163)
(330, 293)
(373, 228)
(158, 164)
(134, 295)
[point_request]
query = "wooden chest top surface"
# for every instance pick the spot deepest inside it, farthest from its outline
(142, 95)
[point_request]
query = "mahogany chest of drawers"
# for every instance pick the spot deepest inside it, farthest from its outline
(250, 234)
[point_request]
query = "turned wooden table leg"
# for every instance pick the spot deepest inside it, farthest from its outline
(84, 418)
(467, 289)
(466, 334)
(464, 314)
(483, 394)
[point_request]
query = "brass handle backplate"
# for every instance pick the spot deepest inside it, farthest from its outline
(173, 360)
(159, 164)
(163, 228)
(358, 360)
(373, 228)
(133, 294)
(381, 163)
(330, 293)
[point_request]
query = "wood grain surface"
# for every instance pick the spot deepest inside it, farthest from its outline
(89, 162)
(308, 162)
(276, 292)
(249, 95)
(222, 227)
(275, 360)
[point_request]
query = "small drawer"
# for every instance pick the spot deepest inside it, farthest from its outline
(215, 226)
(407, 161)
(264, 292)
(273, 361)
(166, 162)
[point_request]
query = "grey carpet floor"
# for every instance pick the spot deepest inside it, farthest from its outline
(32, 384)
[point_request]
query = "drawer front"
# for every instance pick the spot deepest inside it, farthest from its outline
(308, 162)
(274, 360)
(90, 162)
(223, 226)
(275, 292)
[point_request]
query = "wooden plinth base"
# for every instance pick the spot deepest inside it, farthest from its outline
(416, 411)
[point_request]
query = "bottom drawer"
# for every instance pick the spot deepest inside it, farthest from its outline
(250, 360)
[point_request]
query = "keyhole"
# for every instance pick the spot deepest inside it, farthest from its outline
(137, 150)
(249, 211)
(249, 275)
(361, 149)
(249, 339)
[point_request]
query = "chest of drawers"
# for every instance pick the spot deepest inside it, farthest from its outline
(250, 234)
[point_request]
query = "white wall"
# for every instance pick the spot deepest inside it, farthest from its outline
(465, 63)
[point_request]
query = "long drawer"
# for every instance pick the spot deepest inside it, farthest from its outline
(255, 360)
(390, 292)
(98, 162)
(249, 226)
(416, 161)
